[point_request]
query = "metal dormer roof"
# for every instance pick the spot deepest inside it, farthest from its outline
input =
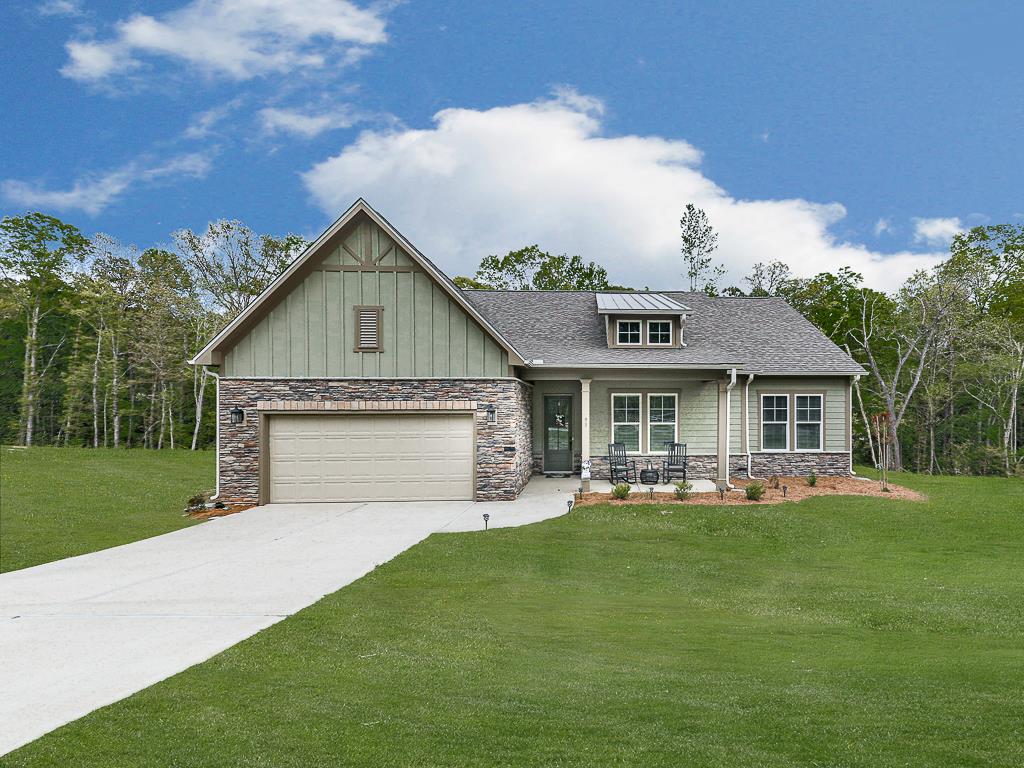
(639, 304)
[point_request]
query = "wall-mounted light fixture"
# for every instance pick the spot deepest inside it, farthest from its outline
(237, 416)
(492, 413)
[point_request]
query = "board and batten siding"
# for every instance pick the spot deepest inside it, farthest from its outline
(836, 406)
(311, 331)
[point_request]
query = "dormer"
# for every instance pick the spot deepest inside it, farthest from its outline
(642, 320)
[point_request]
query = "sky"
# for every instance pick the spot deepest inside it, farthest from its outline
(821, 134)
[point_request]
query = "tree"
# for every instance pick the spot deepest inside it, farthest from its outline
(699, 241)
(230, 265)
(530, 268)
(36, 252)
(769, 279)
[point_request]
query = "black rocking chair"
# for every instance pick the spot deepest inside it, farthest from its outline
(620, 469)
(676, 462)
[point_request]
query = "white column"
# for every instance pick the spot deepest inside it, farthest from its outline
(585, 426)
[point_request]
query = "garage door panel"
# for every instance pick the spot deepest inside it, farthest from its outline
(385, 457)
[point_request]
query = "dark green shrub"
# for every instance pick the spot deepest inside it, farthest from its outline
(683, 490)
(812, 479)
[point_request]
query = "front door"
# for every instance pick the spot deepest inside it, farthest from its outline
(557, 433)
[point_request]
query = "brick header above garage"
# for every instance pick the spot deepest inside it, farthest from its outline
(366, 405)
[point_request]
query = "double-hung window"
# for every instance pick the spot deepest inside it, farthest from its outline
(626, 421)
(628, 332)
(808, 422)
(659, 333)
(774, 422)
(661, 422)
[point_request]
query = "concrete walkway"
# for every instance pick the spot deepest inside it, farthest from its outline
(81, 633)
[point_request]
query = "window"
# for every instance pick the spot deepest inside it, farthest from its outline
(659, 332)
(626, 421)
(368, 328)
(661, 422)
(774, 422)
(808, 422)
(628, 331)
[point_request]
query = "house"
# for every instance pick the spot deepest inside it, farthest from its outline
(364, 373)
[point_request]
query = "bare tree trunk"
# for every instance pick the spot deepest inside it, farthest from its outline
(115, 389)
(170, 418)
(148, 436)
(867, 424)
(95, 389)
(198, 395)
(163, 411)
(29, 383)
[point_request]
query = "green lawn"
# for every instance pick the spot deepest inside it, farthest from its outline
(59, 502)
(835, 632)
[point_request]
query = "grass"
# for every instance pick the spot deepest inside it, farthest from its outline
(834, 632)
(60, 502)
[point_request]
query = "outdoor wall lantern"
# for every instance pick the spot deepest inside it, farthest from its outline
(237, 416)
(492, 414)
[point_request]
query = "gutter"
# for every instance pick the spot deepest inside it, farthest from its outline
(216, 422)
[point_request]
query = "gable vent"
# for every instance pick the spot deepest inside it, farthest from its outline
(368, 323)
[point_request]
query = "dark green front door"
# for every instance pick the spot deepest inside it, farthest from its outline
(557, 433)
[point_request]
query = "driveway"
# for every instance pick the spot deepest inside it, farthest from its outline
(81, 633)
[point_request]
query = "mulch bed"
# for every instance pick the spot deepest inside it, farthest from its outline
(205, 513)
(796, 490)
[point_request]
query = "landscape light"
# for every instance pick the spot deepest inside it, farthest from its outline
(569, 503)
(486, 518)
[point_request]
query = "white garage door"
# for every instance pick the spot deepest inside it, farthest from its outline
(406, 457)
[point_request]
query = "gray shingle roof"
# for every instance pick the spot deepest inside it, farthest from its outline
(755, 334)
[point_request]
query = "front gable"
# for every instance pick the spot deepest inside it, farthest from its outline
(304, 325)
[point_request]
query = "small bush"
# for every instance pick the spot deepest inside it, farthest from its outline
(621, 491)
(773, 481)
(755, 491)
(683, 490)
(198, 501)
(812, 479)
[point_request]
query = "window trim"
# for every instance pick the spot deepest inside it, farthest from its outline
(671, 334)
(820, 423)
(787, 422)
(675, 422)
(359, 309)
(618, 339)
(639, 423)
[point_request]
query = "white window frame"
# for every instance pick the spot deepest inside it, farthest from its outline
(820, 423)
(675, 422)
(671, 334)
(618, 338)
(639, 422)
(789, 415)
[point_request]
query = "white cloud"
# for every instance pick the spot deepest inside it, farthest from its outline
(93, 193)
(936, 232)
(884, 226)
(202, 124)
(237, 39)
(60, 8)
(487, 181)
(304, 124)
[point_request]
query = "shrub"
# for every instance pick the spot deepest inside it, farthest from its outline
(198, 501)
(812, 479)
(621, 491)
(755, 491)
(773, 481)
(683, 490)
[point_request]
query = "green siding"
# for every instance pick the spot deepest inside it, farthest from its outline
(836, 406)
(311, 332)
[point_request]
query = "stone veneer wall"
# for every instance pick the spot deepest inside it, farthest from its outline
(503, 449)
(762, 465)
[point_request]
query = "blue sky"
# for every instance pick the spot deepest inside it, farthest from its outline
(822, 134)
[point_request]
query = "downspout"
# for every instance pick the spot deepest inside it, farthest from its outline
(849, 421)
(746, 424)
(728, 424)
(216, 422)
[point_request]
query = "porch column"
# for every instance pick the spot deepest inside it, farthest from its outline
(585, 427)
